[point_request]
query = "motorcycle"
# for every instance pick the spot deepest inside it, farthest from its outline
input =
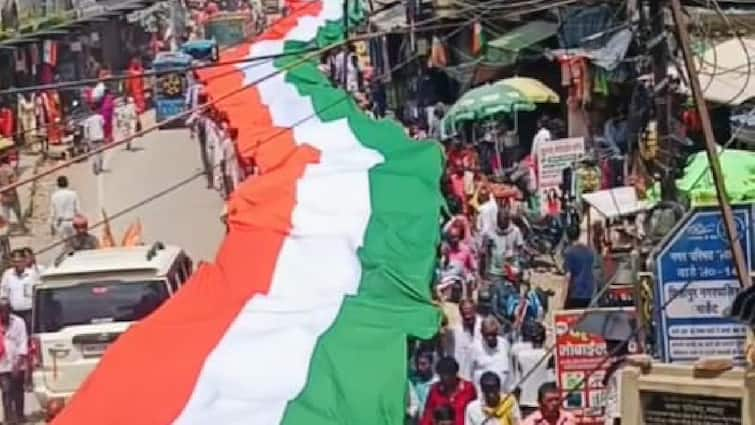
(514, 300)
(75, 128)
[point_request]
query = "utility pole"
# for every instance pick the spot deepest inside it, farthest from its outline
(710, 146)
(345, 74)
(660, 54)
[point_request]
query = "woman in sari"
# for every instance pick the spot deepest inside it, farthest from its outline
(135, 84)
(51, 103)
(107, 110)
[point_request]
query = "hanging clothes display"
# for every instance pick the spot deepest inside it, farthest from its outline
(7, 122)
(50, 52)
(54, 114)
(27, 119)
(575, 75)
(438, 56)
(19, 59)
(33, 58)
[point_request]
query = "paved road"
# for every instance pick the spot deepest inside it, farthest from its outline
(152, 184)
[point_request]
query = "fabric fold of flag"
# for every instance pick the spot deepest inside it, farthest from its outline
(304, 316)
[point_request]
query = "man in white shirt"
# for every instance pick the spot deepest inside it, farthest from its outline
(17, 285)
(542, 137)
(492, 407)
(196, 86)
(64, 205)
(491, 354)
(12, 364)
(462, 337)
(94, 133)
(487, 218)
(530, 361)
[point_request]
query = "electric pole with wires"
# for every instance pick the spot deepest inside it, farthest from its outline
(661, 95)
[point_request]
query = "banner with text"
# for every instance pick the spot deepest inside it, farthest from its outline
(552, 158)
(581, 366)
(697, 282)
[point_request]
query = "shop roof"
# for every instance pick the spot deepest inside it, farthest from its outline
(111, 8)
(392, 17)
(727, 72)
(505, 49)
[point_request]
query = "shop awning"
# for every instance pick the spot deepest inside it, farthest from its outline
(616, 202)
(727, 72)
(505, 50)
(51, 33)
(392, 17)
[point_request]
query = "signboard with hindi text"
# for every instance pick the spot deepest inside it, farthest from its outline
(661, 408)
(552, 158)
(682, 394)
(697, 282)
(581, 366)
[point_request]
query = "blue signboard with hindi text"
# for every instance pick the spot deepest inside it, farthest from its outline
(696, 272)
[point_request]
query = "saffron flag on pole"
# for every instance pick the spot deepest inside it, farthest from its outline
(304, 316)
(107, 240)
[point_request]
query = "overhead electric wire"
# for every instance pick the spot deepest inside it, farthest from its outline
(347, 96)
(402, 29)
(187, 180)
(187, 113)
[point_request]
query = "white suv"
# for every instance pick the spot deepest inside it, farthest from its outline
(87, 300)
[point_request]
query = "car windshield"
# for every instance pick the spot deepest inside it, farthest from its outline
(96, 302)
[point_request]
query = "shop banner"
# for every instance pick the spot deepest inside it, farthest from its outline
(552, 158)
(696, 277)
(581, 365)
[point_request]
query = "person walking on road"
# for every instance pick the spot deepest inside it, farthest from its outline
(64, 205)
(13, 362)
(127, 120)
(94, 132)
(17, 285)
(550, 411)
(197, 122)
(580, 262)
(494, 407)
(9, 198)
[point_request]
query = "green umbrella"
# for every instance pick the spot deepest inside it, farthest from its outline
(738, 167)
(485, 102)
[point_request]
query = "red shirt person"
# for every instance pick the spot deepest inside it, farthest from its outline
(550, 411)
(135, 84)
(449, 390)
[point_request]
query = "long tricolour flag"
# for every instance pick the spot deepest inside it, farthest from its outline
(303, 318)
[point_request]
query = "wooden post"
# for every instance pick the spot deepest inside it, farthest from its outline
(710, 146)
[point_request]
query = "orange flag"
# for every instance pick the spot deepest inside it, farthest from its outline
(133, 235)
(107, 240)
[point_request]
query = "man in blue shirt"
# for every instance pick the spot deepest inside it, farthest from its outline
(579, 263)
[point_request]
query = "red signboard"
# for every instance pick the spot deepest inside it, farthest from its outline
(581, 366)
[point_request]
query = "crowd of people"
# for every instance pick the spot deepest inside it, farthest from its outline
(223, 165)
(488, 364)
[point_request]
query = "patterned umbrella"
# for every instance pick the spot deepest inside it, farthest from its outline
(532, 89)
(485, 102)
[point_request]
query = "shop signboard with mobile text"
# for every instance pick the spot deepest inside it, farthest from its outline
(581, 365)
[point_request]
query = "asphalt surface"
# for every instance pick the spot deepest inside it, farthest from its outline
(154, 183)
